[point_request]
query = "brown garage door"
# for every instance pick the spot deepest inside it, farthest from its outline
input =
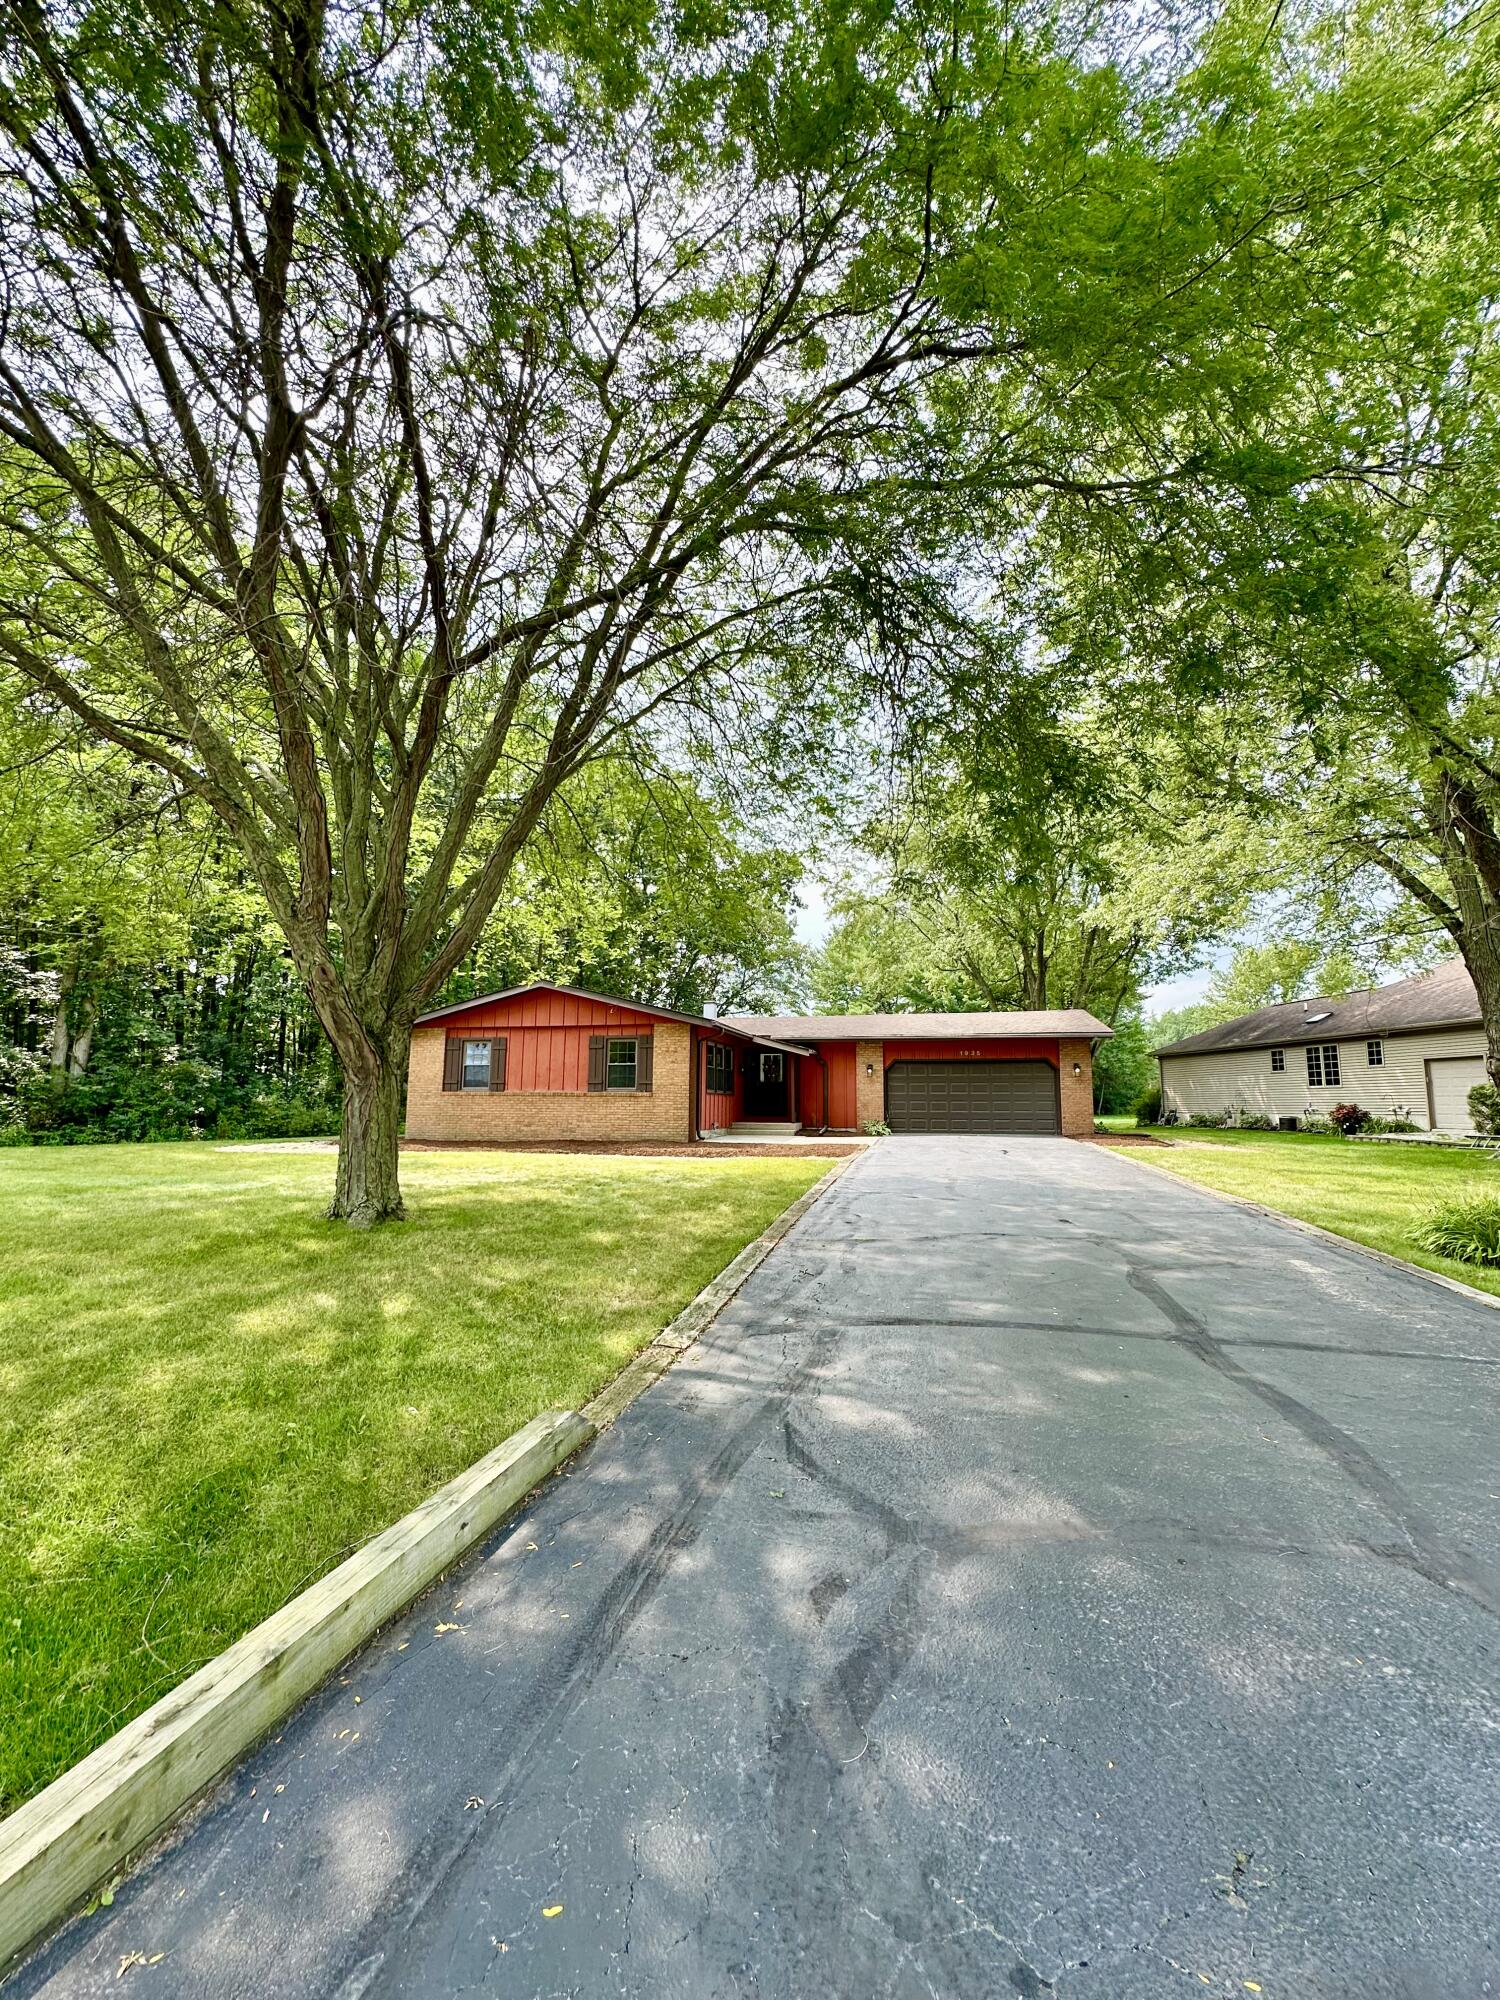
(971, 1097)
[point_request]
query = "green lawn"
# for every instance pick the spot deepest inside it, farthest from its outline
(1374, 1194)
(209, 1395)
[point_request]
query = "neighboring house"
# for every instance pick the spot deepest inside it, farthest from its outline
(1413, 1050)
(551, 1062)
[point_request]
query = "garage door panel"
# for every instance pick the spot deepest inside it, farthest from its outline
(971, 1097)
(1449, 1081)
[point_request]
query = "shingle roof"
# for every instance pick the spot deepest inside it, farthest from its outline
(1442, 998)
(921, 1027)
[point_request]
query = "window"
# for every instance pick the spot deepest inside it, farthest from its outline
(474, 1062)
(719, 1072)
(619, 1062)
(1323, 1065)
(772, 1065)
(1375, 1054)
(1278, 1059)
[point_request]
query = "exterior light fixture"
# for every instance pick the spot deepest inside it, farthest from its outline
(869, 1069)
(1078, 1069)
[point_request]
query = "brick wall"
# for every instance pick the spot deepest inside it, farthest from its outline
(869, 1091)
(660, 1113)
(1077, 1091)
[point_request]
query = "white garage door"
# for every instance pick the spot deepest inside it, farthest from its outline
(1449, 1081)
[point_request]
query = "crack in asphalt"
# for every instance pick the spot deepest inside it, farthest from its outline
(1429, 1554)
(628, 1594)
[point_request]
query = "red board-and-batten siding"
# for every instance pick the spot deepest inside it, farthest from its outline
(843, 1059)
(998, 1048)
(718, 1109)
(547, 1036)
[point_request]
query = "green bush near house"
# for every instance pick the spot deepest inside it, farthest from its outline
(1466, 1229)
(1484, 1109)
(1148, 1106)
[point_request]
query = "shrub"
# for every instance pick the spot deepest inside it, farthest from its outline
(1255, 1121)
(1319, 1124)
(1216, 1119)
(876, 1128)
(1466, 1228)
(1349, 1119)
(1147, 1107)
(1391, 1125)
(1484, 1109)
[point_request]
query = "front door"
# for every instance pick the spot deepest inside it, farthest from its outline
(765, 1084)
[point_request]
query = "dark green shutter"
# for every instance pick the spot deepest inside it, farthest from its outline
(643, 1062)
(453, 1063)
(598, 1046)
(497, 1063)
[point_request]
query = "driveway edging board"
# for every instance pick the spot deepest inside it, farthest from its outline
(108, 1807)
(1332, 1236)
(72, 1836)
(699, 1314)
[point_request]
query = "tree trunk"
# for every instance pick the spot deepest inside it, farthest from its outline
(368, 1187)
(1470, 848)
(83, 1042)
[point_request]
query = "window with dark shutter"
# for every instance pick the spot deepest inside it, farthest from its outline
(620, 1062)
(477, 1064)
(598, 1061)
(453, 1063)
(497, 1064)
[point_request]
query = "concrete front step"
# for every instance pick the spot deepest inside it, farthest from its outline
(763, 1128)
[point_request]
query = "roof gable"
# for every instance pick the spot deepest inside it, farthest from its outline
(543, 986)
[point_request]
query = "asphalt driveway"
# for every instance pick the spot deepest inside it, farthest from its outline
(1044, 1579)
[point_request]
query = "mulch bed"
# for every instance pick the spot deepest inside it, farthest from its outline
(660, 1149)
(1124, 1139)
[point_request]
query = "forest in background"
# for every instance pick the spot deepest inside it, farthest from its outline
(1037, 469)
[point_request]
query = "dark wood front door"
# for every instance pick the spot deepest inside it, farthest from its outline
(765, 1084)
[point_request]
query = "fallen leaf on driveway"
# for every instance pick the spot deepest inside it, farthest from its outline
(555, 1911)
(447, 1628)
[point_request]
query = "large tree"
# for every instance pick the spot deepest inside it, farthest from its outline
(399, 406)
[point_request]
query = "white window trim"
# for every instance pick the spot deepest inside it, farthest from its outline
(1322, 1050)
(487, 1043)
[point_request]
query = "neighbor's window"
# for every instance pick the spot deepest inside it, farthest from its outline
(1323, 1064)
(720, 1075)
(1375, 1054)
(1278, 1058)
(619, 1065)
(476, 1069)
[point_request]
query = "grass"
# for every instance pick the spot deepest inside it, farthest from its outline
(209, 1395)
(1376, 1194)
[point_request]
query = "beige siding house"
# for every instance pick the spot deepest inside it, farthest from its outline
(1411, 1050)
